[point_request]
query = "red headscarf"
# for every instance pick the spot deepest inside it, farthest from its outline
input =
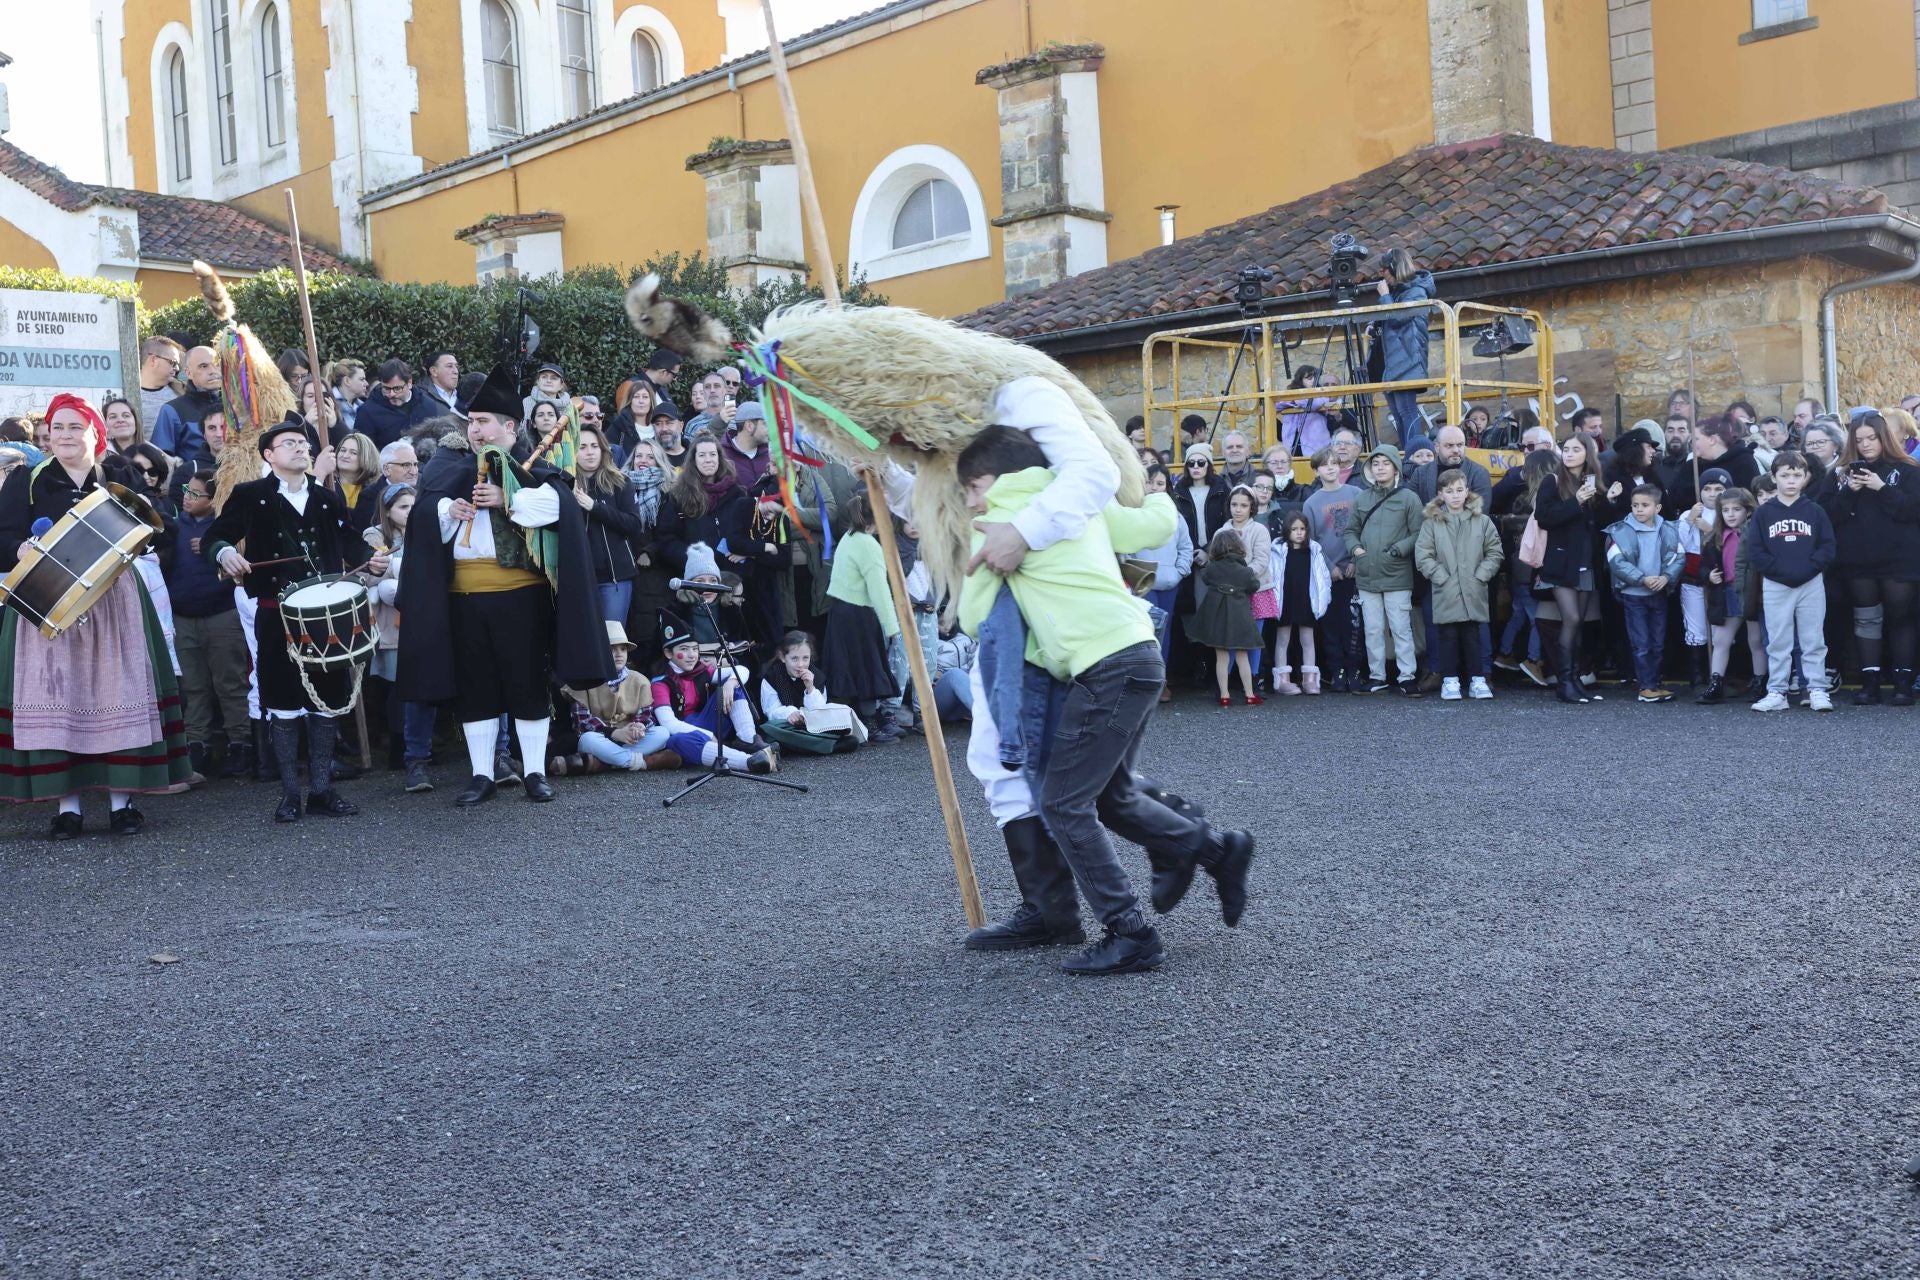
(95, 423)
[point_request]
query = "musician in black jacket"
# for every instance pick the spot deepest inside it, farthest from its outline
(287, 516)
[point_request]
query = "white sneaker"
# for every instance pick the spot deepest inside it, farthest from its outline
(1819, 700)
(1773, 702)
(1478, 688)
(1450, 689)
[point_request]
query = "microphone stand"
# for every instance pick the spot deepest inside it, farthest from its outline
(722, 669)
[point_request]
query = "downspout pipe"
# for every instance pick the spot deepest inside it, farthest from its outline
(1829, 357)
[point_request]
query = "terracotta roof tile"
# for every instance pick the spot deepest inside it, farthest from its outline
(1498, 200)
(172, 228)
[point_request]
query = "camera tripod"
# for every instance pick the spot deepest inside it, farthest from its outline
(722, 672)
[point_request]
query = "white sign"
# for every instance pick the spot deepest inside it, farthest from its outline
(54, 342)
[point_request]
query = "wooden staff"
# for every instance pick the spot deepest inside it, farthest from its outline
(820, 250)
(321, 405)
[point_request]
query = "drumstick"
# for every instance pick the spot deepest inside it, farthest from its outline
(260, 564)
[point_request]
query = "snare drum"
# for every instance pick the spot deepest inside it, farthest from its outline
(329, 622)
(64, 572)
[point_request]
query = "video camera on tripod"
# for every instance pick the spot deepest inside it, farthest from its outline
(1343, 266)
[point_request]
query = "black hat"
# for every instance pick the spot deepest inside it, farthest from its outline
(665, 408)
(1639, 435)
(498, 395)
(1716, 475)
(664, 359)
(287, 426)
(550, 367)
(673, 631)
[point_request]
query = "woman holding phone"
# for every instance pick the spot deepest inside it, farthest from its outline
(1570, 508)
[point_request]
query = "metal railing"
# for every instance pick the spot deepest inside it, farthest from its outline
(1189, 355)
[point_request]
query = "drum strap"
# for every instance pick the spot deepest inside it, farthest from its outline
(306, 682)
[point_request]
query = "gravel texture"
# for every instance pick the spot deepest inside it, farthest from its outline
(1525, 990)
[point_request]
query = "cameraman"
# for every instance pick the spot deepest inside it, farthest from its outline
(1403, 339)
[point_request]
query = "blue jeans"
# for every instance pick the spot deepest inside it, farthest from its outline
(1525, 614)
(615, 598)
(1646, 618)
(953, 696)
(1485, 662)
(416, 729)
(1405, 407)
(1091, 787)
(1163, 601)
(607, 751)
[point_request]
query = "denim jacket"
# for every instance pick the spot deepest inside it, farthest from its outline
(1023, 700)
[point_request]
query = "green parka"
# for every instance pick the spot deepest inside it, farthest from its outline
(1385, 523)
(1459, 553)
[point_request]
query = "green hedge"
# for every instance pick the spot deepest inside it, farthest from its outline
(583, 322)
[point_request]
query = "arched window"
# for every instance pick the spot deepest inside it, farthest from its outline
(500, 59)
(273, 79)
(920, 209)
(179, 117)
(934, 210)
(224, 132)
(576, 57)
(647, 63)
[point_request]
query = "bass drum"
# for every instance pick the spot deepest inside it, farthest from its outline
(63, 573)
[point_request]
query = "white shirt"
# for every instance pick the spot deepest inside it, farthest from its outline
(533, 507)
(296, 497)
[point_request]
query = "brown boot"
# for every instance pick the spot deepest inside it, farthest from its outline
(663, 759)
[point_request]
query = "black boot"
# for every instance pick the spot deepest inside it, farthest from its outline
(1134, 952)
(1049, 911)
(200, 759)
(1757, 687)
(284, 738)
(1869, 692)
(1568, 690)
(1172, 872)
(1715, 694)
(322, 739)
(1697, 665)
(239, 761)
(265, 767)
(1902, 687)
(1228, 857)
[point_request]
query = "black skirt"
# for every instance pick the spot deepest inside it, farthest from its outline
(853, 655)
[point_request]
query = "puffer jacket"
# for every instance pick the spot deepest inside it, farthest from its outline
(1459, 553)
(1404, 336)
(1385, 524)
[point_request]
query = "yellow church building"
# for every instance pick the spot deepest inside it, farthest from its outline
(966, 150)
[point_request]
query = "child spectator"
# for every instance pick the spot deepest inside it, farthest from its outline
(1303, 420)
(690, 698)
(1644, 560)
(207, 637)
(1419, 453)
(1304, 586)
(1697, 528)
(1792, 546)
(1328, 509)
(410, 722)
(1380, 537)
(860, 624)
(1256, 545)
(789, 689)
(1223, 620)
(1172, 561)
(1733, 596)
(763, 560)
(1458, 551)
(615, 721)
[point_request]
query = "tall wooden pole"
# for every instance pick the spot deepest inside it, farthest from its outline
(820, 250)
(323, 411)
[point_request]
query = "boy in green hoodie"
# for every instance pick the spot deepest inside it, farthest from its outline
(1085, 627)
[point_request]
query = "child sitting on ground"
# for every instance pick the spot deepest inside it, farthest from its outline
(789, 689)
(1223, 620)
(1458, 552)
(615, 721)
(692, 695)
(1644, 560)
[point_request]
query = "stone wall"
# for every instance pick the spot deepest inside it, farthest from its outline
(1482, 76)
(1877, 335)
(1753, 333)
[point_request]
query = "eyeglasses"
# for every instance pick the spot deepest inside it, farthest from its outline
(192, 492)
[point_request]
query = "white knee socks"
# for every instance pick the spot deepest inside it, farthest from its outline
(742, 715)
(735, 759)
(480, 735)
(533, 745)
(70, 803)
(116, 800)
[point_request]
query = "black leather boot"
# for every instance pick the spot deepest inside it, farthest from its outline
(284, 738)
(1228, 858)
(265, 767)
(1697, 665)
(1902, 687)
(1172, 872)
(1716, 692)
(1869, 692)
(1049, 910)
(322, 739)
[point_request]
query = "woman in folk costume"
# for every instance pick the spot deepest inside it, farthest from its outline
(925, 388)
(98, 707)
(499, 593)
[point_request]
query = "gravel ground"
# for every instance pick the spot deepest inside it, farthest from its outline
(1525, 991)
